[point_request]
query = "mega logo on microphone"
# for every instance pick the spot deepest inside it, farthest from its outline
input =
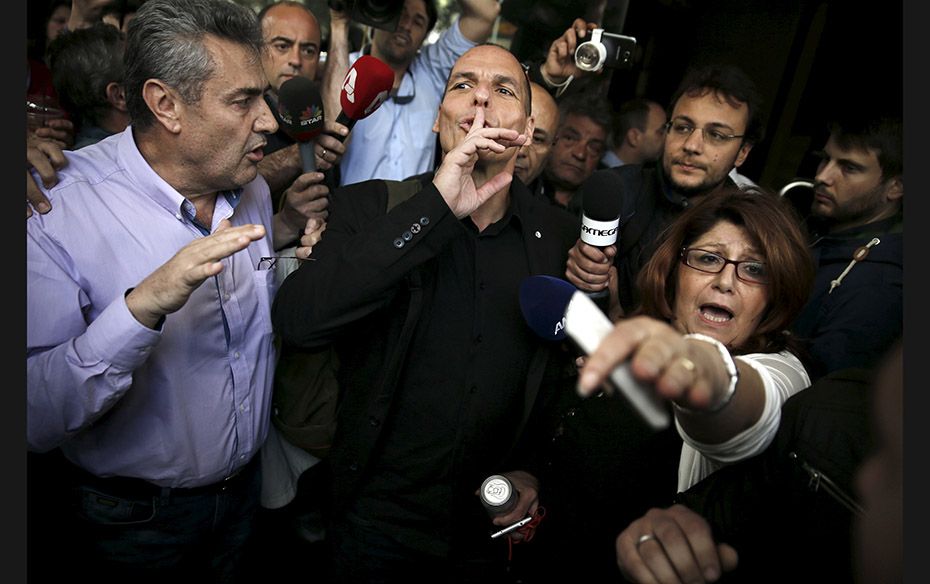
(600, 213)
(599, 233)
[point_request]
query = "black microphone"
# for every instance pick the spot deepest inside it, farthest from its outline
(300, 115)
(554, 309)
(600, 218)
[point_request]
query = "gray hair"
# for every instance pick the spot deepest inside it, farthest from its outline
(165, 41)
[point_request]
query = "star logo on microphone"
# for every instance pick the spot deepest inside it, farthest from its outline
(313, 114)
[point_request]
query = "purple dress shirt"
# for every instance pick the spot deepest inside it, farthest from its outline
(183, 406)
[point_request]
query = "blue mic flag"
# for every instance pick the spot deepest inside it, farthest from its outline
(543, 300)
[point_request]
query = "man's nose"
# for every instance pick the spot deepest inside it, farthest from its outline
(265, 122)
(695, 141)
(826, 173)
(482, 95)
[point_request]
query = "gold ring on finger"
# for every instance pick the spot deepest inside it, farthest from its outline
(687, 364)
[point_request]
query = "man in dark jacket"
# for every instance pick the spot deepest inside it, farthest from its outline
(715, 121)
(786, 515)
(439, 372)
(857, 237)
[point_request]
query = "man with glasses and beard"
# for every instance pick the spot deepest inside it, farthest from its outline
(715, 121)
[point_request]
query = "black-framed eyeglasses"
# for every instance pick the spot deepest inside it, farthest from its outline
(752, 271)
(712, 136)
(269, 262)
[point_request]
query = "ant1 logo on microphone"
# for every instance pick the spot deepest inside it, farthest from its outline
(376, 103)
(348, 86)
(559, 327)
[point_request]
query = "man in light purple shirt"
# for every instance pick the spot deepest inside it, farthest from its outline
(149, 346)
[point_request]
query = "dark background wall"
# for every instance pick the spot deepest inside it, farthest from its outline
(810, 58)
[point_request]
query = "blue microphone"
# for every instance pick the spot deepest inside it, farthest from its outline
(543, 300)
(554, 309)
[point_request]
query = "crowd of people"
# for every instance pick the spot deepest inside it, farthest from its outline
(182, 243)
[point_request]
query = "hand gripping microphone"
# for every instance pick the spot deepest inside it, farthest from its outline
(300, 114)
(554, 308)
(600, 218)
(366, 86)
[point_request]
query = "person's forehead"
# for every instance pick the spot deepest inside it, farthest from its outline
(234, 62)
(711, 107)
(284, 17)
(544, 107)
(416, 7)
(491, 61)
(861, 154)
(583, 123)
(656, 111)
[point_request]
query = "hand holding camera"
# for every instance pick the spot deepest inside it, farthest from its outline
(605, 49)
(560, 60)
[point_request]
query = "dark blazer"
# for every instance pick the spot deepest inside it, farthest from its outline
(362, 293)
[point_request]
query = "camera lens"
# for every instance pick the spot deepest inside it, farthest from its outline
(379, 10)
(590, 56)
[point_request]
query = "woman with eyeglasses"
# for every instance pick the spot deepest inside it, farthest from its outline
(728, 278)
(718, 297)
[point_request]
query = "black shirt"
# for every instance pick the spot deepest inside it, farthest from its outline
(459, 394)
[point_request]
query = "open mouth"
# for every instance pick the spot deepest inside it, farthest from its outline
(716, 314)
(256, 154)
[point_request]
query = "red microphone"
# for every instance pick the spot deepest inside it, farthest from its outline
(366, 86)
(300, 114)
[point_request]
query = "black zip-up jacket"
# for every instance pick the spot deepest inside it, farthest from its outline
(789, 511)
(857, 322)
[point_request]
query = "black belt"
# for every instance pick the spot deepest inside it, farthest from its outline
(135, 488)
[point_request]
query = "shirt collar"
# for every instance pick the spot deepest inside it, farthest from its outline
(154, 186)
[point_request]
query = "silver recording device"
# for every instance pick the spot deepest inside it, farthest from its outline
(605, 49)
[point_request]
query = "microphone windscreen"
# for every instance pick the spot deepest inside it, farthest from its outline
(366, 85)
(543, 300)
(600, 197)
(300, 109)
(600, 208)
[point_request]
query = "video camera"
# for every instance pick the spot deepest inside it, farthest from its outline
(383, 14)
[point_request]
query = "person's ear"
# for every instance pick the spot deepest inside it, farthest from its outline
(894, 189)
(633, 137)
(528, 131)
(164, 103)
(743, 153)
(116, 96)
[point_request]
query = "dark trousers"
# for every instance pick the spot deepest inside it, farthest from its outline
(127, 530)
(363, 554)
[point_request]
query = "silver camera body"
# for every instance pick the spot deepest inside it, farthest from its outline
(605, 49)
